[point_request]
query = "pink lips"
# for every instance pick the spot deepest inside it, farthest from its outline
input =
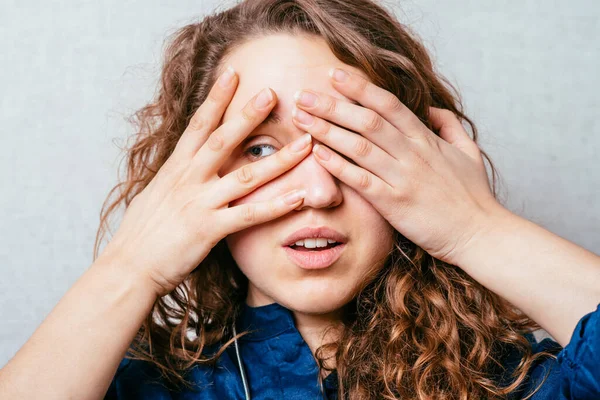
(320, 232)
(315, 259)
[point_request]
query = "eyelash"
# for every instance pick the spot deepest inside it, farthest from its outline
(253, 157)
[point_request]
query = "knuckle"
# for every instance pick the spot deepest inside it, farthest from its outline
(198, 121)
(341, 169)
(362, 147)
(330, 106)
(398, 194)
(362, 85)
(214, 96)
(249, 213)
(372, 122)
(215, 141)
(447, 113)
(273, 209)
(324, 129)
(403, 191)
(364, 180)
(392, 103)
(248, 114)
(244, 174)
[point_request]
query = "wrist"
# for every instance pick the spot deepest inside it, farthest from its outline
(491, 223)
(122, 268)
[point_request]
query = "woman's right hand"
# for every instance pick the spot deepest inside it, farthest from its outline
(171, 225)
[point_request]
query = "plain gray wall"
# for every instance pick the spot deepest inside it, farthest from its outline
(72, 73)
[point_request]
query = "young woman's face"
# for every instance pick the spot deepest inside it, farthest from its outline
(286, 64)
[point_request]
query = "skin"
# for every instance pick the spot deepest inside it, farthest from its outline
(431, 189)
(316, 297)
(434, 190)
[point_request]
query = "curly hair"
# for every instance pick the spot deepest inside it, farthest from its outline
(419, 328)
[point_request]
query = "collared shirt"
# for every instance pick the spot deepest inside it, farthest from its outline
(279, 364)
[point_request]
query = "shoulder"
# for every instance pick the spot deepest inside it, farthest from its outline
(545, 372)
(137, 379)
(580, 359)
(575, 372)
(511, 357)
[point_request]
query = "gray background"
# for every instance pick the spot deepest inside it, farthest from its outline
(72, 73)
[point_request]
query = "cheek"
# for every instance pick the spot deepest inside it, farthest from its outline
(244, 243)
(380, 233)
(363, 208)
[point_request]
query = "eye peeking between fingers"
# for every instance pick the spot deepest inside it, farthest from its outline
(254, 152)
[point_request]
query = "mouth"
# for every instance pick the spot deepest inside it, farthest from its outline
(315, 247)
(315, 258)
(307, 249)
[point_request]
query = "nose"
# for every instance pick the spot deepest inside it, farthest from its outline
(322, 188)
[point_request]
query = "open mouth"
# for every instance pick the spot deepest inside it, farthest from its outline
(316, 249)
(317, 257)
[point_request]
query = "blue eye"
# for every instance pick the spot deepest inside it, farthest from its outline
(253, 153)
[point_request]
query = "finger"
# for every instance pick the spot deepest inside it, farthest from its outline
(356, 147)
(221, 143)
(354, 117)
(379, 100)
(207, 116)
(362, 181)
(451, 130)
(247, 178)
(240, 217)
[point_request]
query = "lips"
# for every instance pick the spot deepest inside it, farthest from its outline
(314, 259)
(317, 232)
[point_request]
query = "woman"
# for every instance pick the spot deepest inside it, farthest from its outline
(367, 259)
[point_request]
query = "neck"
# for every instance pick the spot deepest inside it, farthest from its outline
(315, 330)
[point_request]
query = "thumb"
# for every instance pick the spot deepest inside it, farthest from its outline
(451, 130)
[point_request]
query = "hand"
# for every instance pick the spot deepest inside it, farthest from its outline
(173, 223)
(433, 190)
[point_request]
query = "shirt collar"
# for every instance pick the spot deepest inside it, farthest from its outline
(265, 321)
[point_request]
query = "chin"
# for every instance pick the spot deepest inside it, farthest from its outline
(313, 302)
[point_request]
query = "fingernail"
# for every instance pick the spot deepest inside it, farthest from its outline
(226, 76)
(306, 99)
(321, 152)
(263, 99)
(301, 143)
(294, 197)
(302, 116)
(338, 74)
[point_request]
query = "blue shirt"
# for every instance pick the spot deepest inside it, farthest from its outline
(279, 365)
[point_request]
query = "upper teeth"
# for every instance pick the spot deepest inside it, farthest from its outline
(316, 242)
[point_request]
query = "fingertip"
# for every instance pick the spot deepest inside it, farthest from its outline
(273, 94)
(264, 99)
(227, 77)
(436, 117)
(294, 197)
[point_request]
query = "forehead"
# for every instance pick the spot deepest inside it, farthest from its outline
(286, 63)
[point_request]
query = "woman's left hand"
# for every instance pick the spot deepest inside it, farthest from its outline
(433, 190)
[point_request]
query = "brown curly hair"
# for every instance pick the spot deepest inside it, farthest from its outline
(420, 328)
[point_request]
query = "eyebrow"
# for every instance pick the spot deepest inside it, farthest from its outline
(273, 118)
